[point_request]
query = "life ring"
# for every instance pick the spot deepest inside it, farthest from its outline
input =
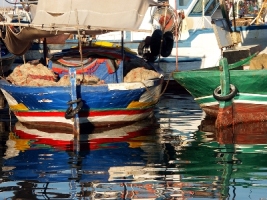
(167, 44)
(217, 93)
(70, 112)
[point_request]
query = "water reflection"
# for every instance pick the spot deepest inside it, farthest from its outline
(43, 159)
(175, 155)
(231, 159)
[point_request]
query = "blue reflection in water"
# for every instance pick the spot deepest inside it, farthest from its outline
(175, 155)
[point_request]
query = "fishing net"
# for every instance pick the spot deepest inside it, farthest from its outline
(39, 75)
(140, 74)
(80, 80)
(32, 75)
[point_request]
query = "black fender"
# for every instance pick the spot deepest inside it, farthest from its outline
(155, 42)
(70, 112)
(167, 44)
(217, 93)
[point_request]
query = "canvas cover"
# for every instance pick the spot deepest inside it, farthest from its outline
(96, 14)
(93, 17)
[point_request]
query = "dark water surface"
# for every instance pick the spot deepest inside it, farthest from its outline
(175, 155)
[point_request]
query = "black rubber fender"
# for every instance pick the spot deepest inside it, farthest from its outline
(155, 42)
(141, 47)
(167, 44)
(70, 112)
(217, 93)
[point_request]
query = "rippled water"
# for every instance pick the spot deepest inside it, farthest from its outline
(175, 155)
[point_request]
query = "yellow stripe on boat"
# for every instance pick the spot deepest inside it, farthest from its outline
(110, 44)
(137, 104)
(20, 144)
(19, 106)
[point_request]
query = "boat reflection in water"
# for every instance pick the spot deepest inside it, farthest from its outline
(239, 162)
(47, 163)
(145, 160)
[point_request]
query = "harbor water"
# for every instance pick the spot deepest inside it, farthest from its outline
(176, 154)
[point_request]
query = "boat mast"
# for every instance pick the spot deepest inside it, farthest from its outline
(122, 48)
(45, 52)
(224, 14)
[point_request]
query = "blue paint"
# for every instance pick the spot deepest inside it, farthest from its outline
(96, 97)
(55, 165)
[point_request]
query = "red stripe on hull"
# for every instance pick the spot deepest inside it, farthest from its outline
(92, 144)
(96, 119)
(241, 113)
(247, 133)
(81, 114)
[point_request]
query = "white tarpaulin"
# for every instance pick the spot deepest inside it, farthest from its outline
(93, 14)
(55, 17)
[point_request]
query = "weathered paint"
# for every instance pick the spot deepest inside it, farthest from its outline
(250, 103)
(249, 134)
(101, 105)
(19, 106)
(136, 104)
(97, 118)
(64, 139)
(225, 113)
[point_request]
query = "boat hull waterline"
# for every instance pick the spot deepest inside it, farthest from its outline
(248, 105)
(103, 105)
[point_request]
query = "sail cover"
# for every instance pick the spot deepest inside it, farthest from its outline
(93, 14)
(93, 17)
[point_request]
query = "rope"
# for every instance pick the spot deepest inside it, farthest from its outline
(167, 83)
(263, 9)
(1, 61)
(163, 91)
(80, 43)
(163, 28)
(176, 37)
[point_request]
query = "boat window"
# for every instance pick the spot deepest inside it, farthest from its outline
(183, 4)
(210, 7)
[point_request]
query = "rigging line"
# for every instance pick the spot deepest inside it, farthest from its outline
(125, 192)
(176, 36)
(1, 60)
(161, 40)
(11, 2)
(80, 44)
(27, 2)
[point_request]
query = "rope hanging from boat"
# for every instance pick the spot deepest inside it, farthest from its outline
(164, 27)
(79, 40)
(2, 71)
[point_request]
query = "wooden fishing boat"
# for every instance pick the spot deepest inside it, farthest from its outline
(109, 99)
(228, 93)
(112, 101)
(234, 91)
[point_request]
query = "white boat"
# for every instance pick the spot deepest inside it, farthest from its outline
(198, 46)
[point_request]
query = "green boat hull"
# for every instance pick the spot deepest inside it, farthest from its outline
(250, 102)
